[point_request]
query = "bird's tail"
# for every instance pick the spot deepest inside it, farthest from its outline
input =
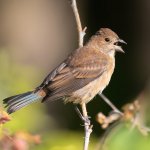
(16, 102)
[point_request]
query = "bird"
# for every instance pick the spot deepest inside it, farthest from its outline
(80, 77)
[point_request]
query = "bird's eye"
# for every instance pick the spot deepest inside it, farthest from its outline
(107, 39)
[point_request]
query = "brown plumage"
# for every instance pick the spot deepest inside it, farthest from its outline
(80, 77)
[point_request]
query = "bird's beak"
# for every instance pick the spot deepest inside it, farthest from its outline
(122, 41)
(119, 48)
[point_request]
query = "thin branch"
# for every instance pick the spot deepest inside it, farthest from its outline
(81, 34)
(87, 127)
(110, 103)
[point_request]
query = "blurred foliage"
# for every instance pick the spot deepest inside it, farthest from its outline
(13, 78)
(64, 140)
(13, 81)
(123, 138)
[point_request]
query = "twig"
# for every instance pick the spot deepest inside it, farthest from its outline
(81, 34)
(105, 121)
(110, 103)
(87, 126)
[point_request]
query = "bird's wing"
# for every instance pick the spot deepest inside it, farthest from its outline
(73, 74)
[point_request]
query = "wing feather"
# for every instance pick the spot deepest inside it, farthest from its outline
(74, 74)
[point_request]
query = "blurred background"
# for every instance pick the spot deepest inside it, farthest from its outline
(36, 35)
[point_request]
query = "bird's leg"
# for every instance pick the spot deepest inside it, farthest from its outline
(83, 118)
(85, 115)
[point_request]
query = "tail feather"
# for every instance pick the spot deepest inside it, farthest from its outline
(13, 99)
(20, 104)
(21, 99)
(14, 103)
(10, 99)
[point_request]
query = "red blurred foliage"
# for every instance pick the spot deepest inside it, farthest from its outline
(4, 117)
(19, 141)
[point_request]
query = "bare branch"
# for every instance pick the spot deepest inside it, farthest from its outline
(105, 121)
(81, 34)
(87, 126)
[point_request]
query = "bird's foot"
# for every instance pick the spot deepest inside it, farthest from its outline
(86, 119)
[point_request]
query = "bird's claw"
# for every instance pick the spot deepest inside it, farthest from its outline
(86, 119)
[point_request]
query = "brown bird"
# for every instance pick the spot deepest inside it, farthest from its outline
(86, 72)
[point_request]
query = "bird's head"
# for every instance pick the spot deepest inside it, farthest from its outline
(108, 41)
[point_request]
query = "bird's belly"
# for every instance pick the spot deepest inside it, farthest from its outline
(88, 92)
